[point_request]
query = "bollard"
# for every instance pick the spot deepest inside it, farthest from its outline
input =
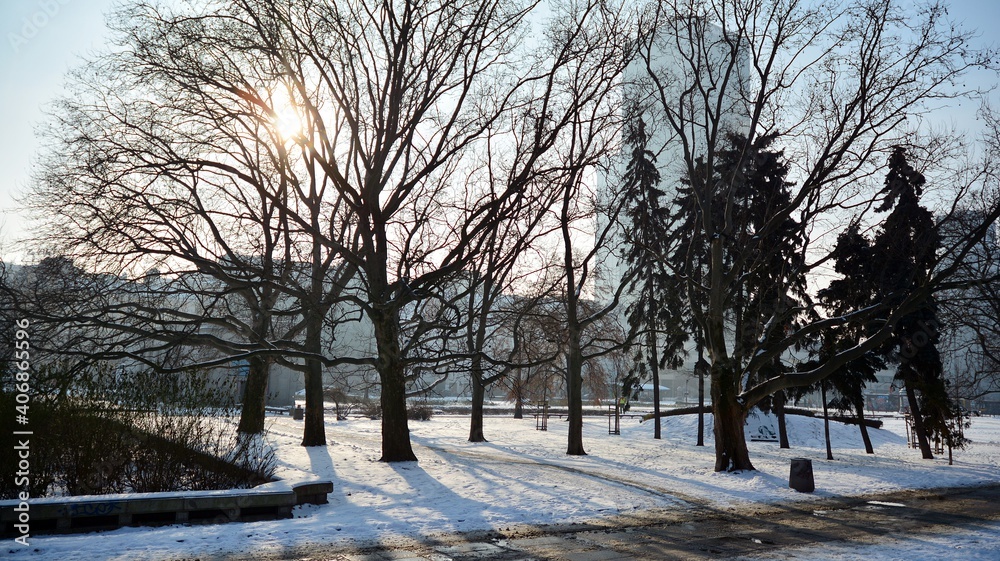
(800, 476)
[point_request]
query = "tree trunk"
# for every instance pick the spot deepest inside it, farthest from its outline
(654, 366)
(731, 452)
(826, 420)
(859, 408)
(314, 431)
(779, 412)
(574, 390)
(478, 397)
(254, 397)
(656, 400)
(918, 422)
(701, 399)
(395, 428)
(519, 405)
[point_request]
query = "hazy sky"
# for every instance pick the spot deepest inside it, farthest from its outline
(41, 39)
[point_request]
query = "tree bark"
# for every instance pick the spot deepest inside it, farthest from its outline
(918, 422)
(254, 397)
(654, 366)
(779, 412)
(859, 408)
(395, 426)
(574, 389)
(826, 421)
(519, 404)
(731, 452)
(314, 431)
(478, 397)
(701, 399)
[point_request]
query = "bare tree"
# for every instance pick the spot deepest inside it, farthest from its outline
(591, 141)
(171, 156)
(970, 311)
(418, 89)
(354, 138)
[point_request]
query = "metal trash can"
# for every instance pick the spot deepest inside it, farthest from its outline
(297, 413)
(800, 476)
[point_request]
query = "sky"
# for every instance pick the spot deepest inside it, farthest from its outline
(40, 40)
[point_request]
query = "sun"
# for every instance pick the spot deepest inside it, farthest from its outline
(286, 118)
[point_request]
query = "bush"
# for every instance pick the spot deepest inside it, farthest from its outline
(372, 409)
(421, 412)
(343, 403)
(141, 432)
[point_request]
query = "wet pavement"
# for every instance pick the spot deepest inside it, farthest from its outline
(701, 532)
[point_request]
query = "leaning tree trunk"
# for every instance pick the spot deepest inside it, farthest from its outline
(731, 452)
(478, 397)
(918, 422)
(395, 428)
(779, 412)
(859, 408)
(254, 397)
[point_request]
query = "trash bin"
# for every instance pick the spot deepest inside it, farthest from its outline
(297, 413)
(800, 476)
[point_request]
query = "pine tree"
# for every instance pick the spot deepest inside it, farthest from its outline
(888, 269)
(655, 311)
(854, 259)
(750, 188)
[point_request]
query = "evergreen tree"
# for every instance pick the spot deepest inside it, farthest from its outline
(854, 259)
(656, 309)
(888, 269)
(752, 189)
(767, 302)
(848, 381)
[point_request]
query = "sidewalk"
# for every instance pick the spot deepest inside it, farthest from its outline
(704, 533)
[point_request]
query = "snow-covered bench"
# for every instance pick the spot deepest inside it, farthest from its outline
(97, 512)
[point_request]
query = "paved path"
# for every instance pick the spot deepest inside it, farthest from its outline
(702, 532)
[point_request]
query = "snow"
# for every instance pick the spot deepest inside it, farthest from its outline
(523, 477)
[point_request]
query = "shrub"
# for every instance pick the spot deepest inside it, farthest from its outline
(421, 412)
(372, 409)
(131, 432)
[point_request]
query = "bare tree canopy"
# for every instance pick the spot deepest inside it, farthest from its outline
(304, 154)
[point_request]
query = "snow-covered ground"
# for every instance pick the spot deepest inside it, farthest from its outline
(523, 477)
